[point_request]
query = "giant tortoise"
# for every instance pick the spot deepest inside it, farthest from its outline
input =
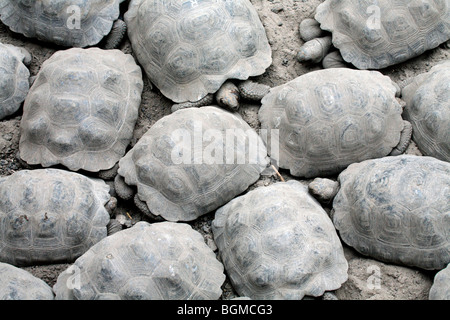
(396, 209)
(440, 290)
(69, 23)
(189, 49)
(427, 98)
(14, 78)
(164, 260)
(325, 120)
(81, 110)
(191, 162)
(376, 34)
(277, 242)
(18, 284)
(50, 216)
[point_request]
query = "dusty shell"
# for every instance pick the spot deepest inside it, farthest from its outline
(377, 34)
(14, 77)
(159, 261)
(74, 23)
(427, 100)
(396, 209)
(81, 110)
(440, 290)
(50, 216)
(190, 48)
(18, 284)
(325, 120)
(277, 242)
(188, 163)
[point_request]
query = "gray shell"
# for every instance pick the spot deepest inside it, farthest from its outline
(331, 118)
(74, 23)
(427, 100)
(376, 34)
(18, 284)
(14, 77)
(50, 215)
(81, 110)
(160, 261)
(277, 242)
(190, 48)
(181, 174)
(440, 290)
(396, 209)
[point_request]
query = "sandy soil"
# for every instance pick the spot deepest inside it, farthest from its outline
(281, 20)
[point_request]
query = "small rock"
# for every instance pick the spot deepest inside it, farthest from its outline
(8, 136)
(277, 8)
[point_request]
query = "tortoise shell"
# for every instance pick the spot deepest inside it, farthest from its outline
(18, 284)
(50, 215)
(189, 163)
(81, 110)
(427, 100)
(74, 23)
(440, 290)
(277, 242)
(325, 120)
(190, 48)
(396, 209)
(14, 77)
(377, 34)
(159, 261)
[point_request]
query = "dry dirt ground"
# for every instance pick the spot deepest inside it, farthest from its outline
(368, 279)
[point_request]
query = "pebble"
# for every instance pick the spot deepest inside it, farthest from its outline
(277, 8)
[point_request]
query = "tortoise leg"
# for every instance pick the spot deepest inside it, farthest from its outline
(228, 96)
(116, 35)
(310, 29)
(251, 90)
(123, 190)
(206, 101)
(113, 227)
(334, 60)
(111, 205)
(142, 206)
(405, 139)
(314, 50)
(329, 296)
(27, 57)
(109, 174)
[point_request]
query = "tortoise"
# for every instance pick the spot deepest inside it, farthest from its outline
(395, 209)
(327, 119)
(50, 216)
(189, 163)
(18, 284)
(277, 242)
(440, 290)
(81, 110)
(74, 23)
(427, 98)
(376, 34)
(163, 260)
(189, 49)
(14, 78)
